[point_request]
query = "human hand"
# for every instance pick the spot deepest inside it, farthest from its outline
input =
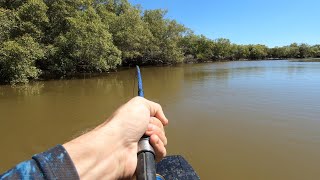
(110, 150)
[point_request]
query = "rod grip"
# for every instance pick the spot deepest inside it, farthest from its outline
(146, 169)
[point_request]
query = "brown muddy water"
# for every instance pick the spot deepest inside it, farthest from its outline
(230, 120)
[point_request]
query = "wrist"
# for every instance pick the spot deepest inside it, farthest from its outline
(97, 154)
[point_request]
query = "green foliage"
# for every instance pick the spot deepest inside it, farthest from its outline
(85, 47)
(222, 49)
(258, 51)
(11, 4)
(32, 18)
(8, 23)
(304, 50)
(65, 37)
(293, 50)
(130, 34)
(166, 34)
(58, 13)
(315, 51)
(198, 47)
(17, 60)
(240, 52)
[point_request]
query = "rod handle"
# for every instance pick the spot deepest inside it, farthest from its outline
(146, 169)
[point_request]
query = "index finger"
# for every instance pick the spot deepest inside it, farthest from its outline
(156, 111)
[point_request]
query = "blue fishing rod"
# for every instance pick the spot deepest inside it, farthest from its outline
(146, 167)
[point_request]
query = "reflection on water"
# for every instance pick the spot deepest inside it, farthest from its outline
(231, 120)
(27, 90)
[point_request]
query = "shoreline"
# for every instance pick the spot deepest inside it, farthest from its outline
(127, 67)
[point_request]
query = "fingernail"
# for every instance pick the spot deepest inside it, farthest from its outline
(167, 121)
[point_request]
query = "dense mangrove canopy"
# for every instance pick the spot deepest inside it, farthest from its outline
(63, 37)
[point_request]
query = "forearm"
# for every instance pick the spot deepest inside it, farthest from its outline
(52, 164)
(94, 155)
(97, 153)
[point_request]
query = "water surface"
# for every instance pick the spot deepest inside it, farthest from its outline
(230, 120)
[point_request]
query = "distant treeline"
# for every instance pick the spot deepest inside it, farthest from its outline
(59, 38)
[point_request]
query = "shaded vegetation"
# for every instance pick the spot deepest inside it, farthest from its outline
(64, 37)
(306, 60)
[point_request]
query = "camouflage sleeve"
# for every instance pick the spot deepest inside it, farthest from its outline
(52, 164)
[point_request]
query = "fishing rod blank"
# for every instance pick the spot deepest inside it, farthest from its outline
(146, 167)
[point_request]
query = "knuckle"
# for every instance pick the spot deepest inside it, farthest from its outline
(163, 133)
(159, 123)
(137, 99)
(154, 120)
(158, 105)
